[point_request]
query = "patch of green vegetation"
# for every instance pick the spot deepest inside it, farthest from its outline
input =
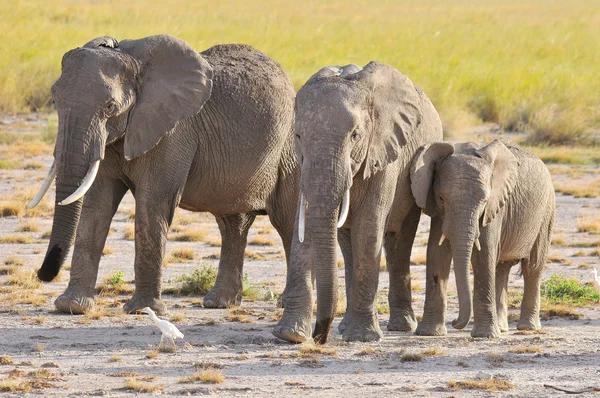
(559, 289)
(116, 278)
(198, 282)
(249, 292)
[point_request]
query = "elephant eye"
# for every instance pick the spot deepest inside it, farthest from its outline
(298, 137)
(111, 109)
(355, 136)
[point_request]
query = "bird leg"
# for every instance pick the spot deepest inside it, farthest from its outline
(174, 344)
(162, 337)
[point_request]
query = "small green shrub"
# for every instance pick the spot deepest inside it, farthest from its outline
(116, 278)
(198, 282)
(559, 289)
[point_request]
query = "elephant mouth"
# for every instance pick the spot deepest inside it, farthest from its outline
(343, 214)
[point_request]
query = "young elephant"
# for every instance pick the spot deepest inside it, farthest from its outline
(492, 206)
(356, 133)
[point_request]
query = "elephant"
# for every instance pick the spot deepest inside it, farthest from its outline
(208, 132)
(356, 131)
(491, 206)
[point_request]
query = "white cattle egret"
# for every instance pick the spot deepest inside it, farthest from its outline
(596, 279)
(167, 328)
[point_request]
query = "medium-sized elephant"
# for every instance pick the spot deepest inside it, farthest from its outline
(356, 133)
(492, 206)
(210, 131)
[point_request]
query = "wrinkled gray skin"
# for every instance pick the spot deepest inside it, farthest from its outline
(207, 132)
(356, 129)
(502, 196)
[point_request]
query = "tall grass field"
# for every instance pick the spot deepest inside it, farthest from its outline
(528, 65)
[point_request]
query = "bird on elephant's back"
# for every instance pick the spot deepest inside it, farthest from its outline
(210, 131)
(356, 131)
(492, 206)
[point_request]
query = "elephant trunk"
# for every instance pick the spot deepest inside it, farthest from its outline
(462, 242)
(325, 188)
(76, 163)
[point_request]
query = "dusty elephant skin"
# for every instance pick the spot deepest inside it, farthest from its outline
(207, 131)
(492, 206)
(356, 132)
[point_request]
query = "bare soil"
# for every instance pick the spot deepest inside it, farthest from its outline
(94, 357)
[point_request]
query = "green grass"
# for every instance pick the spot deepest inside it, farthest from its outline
(526, 64)
(198, 282)
(559, 289)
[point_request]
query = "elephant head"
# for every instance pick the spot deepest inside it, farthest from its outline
(350, 124)
(135, 90)
(466, 186)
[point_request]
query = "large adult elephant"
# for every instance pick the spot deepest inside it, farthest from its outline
(492, 206)
(356, 133)
(207, 131)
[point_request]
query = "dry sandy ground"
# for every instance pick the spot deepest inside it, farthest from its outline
(86, 356)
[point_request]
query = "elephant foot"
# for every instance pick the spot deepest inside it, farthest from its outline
(503, 325)
(487, 331)
(344, 323)
(137, 302)
(362, 332)
(222, 297)
(293, 329)
(72, 303)
(402, 322)
(529, 324)
(431, 329)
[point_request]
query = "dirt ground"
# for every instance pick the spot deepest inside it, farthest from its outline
(78, 355)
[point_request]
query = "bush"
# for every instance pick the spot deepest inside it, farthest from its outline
(562, 290)
(199, 282)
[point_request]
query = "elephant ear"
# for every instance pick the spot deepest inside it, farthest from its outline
(174, 83)
(421, 174)
(504, 176)
(102, 41)
(396, 113)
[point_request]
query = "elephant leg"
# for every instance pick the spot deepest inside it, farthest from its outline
(99, 207)
(153, 216)
(281, 215)
(228, 287)
(439, 258)
(368, 226)
(398, 247)
(485, 322)
(532, 269)
(502, 274)
(296, 323)
(345, 242)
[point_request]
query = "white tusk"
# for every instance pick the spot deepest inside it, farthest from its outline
(442, 239)
(477, 244)
(302, 218)
(88, 180)
(45, 186)
(345, 207)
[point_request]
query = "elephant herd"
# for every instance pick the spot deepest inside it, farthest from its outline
(353, 159)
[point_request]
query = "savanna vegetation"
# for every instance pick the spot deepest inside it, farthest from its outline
(528, 65)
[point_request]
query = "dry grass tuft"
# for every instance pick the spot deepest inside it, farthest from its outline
(153, 354)
(140, 386)
(495, 358)
(206, 376)
(492, 385)
(411, 357)
(433, 352)
(107, 251)
(29, 226)
(129, 232)
(13, 260)
(177, 318)
(11, 209)
(309, 349)
(190, 236)
(254, 255)
(181, 255)
(366, 351)
(523, 349)
(587, 225)
(559, 310)
(115, 358)
(6, 360)
(262, 241)
(19, 239)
